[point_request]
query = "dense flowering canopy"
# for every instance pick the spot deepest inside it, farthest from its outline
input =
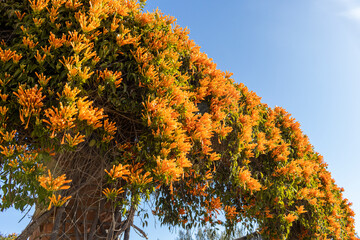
(99, 91)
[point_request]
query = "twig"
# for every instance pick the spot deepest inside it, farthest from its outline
(140, 231)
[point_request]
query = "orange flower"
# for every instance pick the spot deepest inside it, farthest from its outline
(57, 201)
(115, 24)
(69, 93)
(110, 76)
(214, 204)
(141, 55)
(68, 24)
(137, 179)
(16, 57)
(38, 5)
(60, 119)
(72, 4)
(57, 3)
(113, 193)
(53, 13)
(28, 42)
(110, 130)
(42, 79)
(89, 114)
(39, 58)
(84, 73)
(46, 49)
(73, 141)
(31, 102)
(300, 209)
(168, 168)
(56, 42)
(54, 184)
(118, 171)
(19, 15)
(6, 55)
(249, 182)
(8, 136)
(290, 218)
(13, 163)
(8, 151)
(38, 21)
(312, 201)
(3, 110)
(231, 212)
(87, 23)
(4, 97)
(244, 175)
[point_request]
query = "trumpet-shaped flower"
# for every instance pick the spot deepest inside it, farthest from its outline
(54, 184)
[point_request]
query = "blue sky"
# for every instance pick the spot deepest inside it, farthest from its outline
(301, 55)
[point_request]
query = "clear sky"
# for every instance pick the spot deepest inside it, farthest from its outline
(301, 55)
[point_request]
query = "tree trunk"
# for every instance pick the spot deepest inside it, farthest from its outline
(88, 215)
(127, 234)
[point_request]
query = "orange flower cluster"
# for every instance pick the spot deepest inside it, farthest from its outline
(247, 181)
(38, 5)
(110, 76)
(31, 103)
(29, 43)
(113, 193)
(54, 184)
(56, 42)
(118, 171)
(61, 118)
(90, 114)
(290, 218)
(136, 178)
(57, 200)
(231, 212)
(6, 55)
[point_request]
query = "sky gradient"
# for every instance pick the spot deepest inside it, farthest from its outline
(300, 55)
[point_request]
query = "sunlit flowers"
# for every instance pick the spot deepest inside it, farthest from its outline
(231, 212)
(87, 23)
(56, 42)
(57, 200)
(72, 141)
(89, 113)
(60, 118)
(247, 181)
(40, 59)
(19, 15)
(110, 76)
(119, 171)
(38, 5)
(31, 102)
(29, 43)
(7, 151)
(72, 4)
(6, 55)
(110, 130)
(112, 193)
(137, 178)
(42, 79)
(290, 218)
(300, 209)
(54, 184)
